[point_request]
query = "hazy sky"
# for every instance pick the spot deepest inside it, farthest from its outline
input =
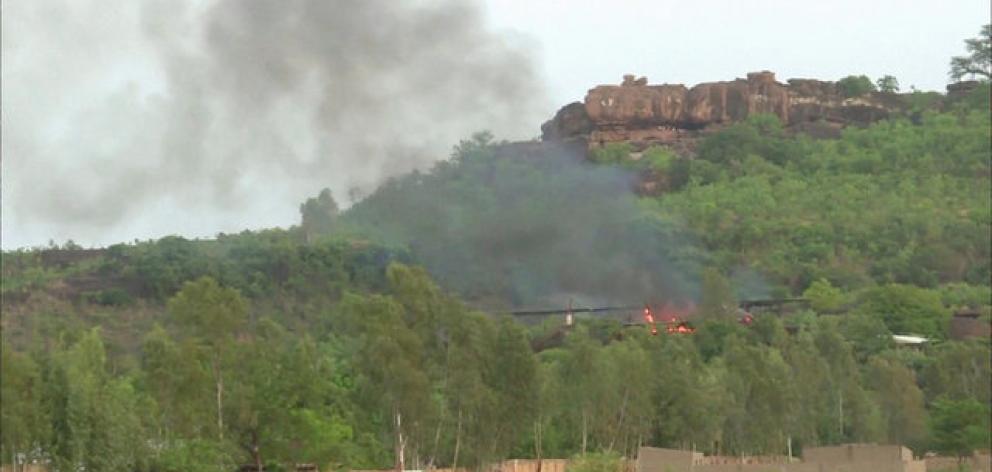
(580, 43)
(138, 119)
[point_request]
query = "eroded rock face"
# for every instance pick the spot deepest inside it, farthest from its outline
(640, 113)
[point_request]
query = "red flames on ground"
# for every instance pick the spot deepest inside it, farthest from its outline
(675, 318)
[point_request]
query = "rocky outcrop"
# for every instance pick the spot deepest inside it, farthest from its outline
(645, 114)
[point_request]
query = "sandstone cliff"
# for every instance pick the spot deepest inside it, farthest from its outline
(645, 114)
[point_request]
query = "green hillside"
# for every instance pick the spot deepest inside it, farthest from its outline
(361, 334)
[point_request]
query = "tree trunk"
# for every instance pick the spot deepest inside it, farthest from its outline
(458, 441)
(220, 398)
(255, 451)
(537, 443)
(623, 411)
(584, 431)
(400, 445)
(840, 413)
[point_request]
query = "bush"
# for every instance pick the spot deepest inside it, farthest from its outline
(612, 153)
(109, 297)
(597, 462)
(855, 86)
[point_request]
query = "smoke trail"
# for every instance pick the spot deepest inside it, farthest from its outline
(144, 118)
(502, 226)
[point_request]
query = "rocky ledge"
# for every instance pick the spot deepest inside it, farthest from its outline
(667, 114)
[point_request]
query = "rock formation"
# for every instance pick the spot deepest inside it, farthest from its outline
(645, 114)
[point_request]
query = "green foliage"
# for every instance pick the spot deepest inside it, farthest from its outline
(906, 309)
(959, 426)
(194, 455)
(962, 295)
(960, 370)
(110, 297)
(23, 417)
(208, 311)
(597, 462)
(855, 86)
(658, 158)
(887, 84)
(867, 333)
(717, 298)
(612, 153)
(900, 401)
(314, 345)
(318, 214)
(906, 203)
(978, 62)
(823, 296)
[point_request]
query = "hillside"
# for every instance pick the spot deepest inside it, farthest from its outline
(371, 336)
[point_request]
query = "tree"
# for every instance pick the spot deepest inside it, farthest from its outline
(900, 401)
(635, 412)
(586, 372)
(855, 417)
(96, 419)
(978, 62)
(390, 357)
(823, 296)
(512, 379)
(906, 309)
(959, 427)
(22, 416)
(211, 316)
(887, 84)
(718, 302)
(959, 370)
(318, 214)
(762, 397)
(688, 396)
(855, 86)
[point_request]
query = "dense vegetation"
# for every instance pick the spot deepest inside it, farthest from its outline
(327, 343)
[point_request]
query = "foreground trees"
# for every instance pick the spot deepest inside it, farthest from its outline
(410, 377)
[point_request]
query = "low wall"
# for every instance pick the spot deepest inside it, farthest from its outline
(847, 458)
(23, 468)
(531, 465)
(979, 463)
(653, 459)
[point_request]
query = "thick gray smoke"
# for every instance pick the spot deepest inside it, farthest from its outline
(138, 119)
(507, 227)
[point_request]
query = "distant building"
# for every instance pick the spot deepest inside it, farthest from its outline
(969, 324)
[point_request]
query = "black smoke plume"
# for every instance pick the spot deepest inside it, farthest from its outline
(151, 117)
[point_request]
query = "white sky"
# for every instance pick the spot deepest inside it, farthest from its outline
(576, 44)
(581, 43)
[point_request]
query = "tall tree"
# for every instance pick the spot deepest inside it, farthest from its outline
(978, 62)
(959, 427)
(584, 370)
(959, 370)
(512, 377)
(900, 400)
(22, 417)
(97, 422)
(211, 315)
(391, 360)
(318, 214)
(180, 385)
(887, 84)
